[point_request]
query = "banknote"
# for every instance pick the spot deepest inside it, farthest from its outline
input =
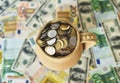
(92, 63)
(116, 4)
(8, 24)
(67, 10)
(0, 77)
(101, 51)
(103, 10)
(52, 78)
(1, 54)
(10, 48)
(86, 14)
(5, 4)
(25, 57)
(9, 12)
(112, 29)
(45, 13)
(104, 74)
(102, 5)
(25, 11)
(116, 67)
(64, 74)
(14, 79)
(35, 72)
(79, 72)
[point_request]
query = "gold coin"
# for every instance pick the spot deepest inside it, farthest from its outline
(64, 27)
(65, 43)
(73, 32)
(59, 44)
(41, 43)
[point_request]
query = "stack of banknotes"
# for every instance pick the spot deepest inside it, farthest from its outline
(19, 21)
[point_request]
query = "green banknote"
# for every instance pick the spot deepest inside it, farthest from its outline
(102, 5)
(102, 51)
(103, 10)
(10, 48)
(104, 74)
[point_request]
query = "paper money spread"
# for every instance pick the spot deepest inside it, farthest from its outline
(21, 19)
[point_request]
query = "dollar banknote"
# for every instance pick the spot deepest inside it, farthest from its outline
(45, 13)
(67, 10)
(5, 4)
(79, 72)
(86, 14)
(101, 51)
(104, 74)
(10, 48)
(116, 67)
(116, 4)
(25, 57)
(112, 29)
(87, 53)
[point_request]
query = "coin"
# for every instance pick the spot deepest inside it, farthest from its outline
(64, 32)
(59, 44)
(64, 27)
(55, 25)
(50, 50)
(65, 43)
(51, 33)
(43, 36)
(45, 30)
(41, 43)
(73, 40)
(73, 33)
(64, 52)
(51, 41)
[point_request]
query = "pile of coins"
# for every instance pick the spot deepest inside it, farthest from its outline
(58, 39)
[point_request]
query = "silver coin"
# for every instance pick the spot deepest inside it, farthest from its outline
(73, 41)
(51, 41)
(43, 36)
(51, 33)
(45, 30)
(55, 26)
(50, 50)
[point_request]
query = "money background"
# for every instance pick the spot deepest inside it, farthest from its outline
(19, 21)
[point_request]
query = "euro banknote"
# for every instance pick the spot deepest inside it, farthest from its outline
(10, 48)
(101, 51)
